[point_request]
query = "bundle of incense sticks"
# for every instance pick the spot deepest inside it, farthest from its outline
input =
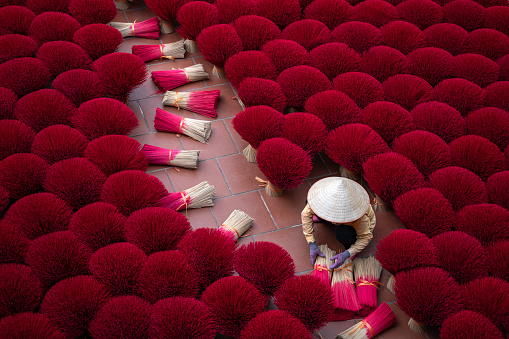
(380, 320)
(367, 278)
(195, 197)
(172, 51)
(201, 102)
(343, 288)
(197, 129)
(173, 78)
(321, 269)
(237, 224)
(146, 29)
(191, 46)
(121, 4)
(163, 156)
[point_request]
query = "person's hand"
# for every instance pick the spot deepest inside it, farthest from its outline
(340, 259)
(314, 251)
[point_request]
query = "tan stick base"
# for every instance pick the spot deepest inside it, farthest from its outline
(191, 46)
(381, 205)
(122, 5)
(218, 72)
(166, 27)
(273, 191)
(355, 176)
(414, 326)
(391, 283)
(250, 154)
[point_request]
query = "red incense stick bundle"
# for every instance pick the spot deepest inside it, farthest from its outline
(367, 278)
(321, 269)
(170, 79)
(146, 29)
(196, 129)
(195, 197)
(374, 324)
(343, 288)
(162, 156)
(172, 51)
(201, 102)
(237, 224)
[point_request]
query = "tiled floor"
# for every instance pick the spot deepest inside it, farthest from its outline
(223, 165)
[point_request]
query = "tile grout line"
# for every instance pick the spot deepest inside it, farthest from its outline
(268, 211)
(226, 181)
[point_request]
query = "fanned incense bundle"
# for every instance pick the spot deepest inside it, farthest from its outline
(170, 79)
(201, 102)
(197, 129)
(374, 324)
(237, 223)
(367, 278)
(321, 269)
(195, 197)
(172, 51)
(163, 156)
(146, 29)
(343, 288)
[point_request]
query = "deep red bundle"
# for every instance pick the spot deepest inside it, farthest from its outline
(285, 54)
(489, 297)
(103, 116)
(249, 64)
(490, 123)
(20, 290)
(489, 43)
(167, 274)
(428, 295)
(305, 130)
(13, 245)
(41, 6)
(229, 10)
(155, 229)
(496, 17)
(351, 145)
(476, 68)
(431, 64)
(59, 142)
(425, 210)
(167, 11)
(130, 191)
(498, 189)
(98, 225)
(255, 262)
(503, 63)
(29, 325)
(7, 100)
(16, 19)
(24, 75)
(14, 46)
(233, 302)
(15, 137)
(57, 256)
(465, 324)
(301, 82)
(92, 11)
(449, 37)
(461, 94)
(120, 73)
(331, 12)
(4, 199)
(194, 17)
(497, 255)
(53, 26)
(403, 36)
(72, 303)
(98, 39)
(460, 186)
(118, 267)
(388, 119)
(210, 253)
(497, 94)
(375, 12)
(491, 3)
(306, 298)
(148, 29)
(421, 13)
(488, 223)
(407, 90)
(22, 174)
(255, 31)
(283, 12)
(308, 33)
(127, 316)
(274, 324)
(360, 87)
(360, 36)
(467, 14)
(63, 56)
(383, 62)
(257, 92)
(79, 86)
(478, 155)
(440, 119)
(39, 214)
(333, 59)
(334, 108)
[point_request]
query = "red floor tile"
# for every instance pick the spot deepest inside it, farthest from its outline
(147, 89)
(334, 328)
(208, 68)
(319, 168)
(142, 127)
(200, 217)
(140, 14)
(386, 222)
(401, 330)
(149, 106)
(227, 107)
(178, 63)
(219, 144)
(239, 142)
(163, 176)
(240, 174)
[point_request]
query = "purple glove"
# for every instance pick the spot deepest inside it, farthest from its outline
(341, 257)
(314, 251)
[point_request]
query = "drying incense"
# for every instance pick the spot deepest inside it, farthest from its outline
(166, 26)
(367, 278)
(195, 197)
(380, 205)
(391, 283)
(321, 269)
(197, 129)
(191, 46)
(270, 188)
(146, 29)
(343, 288)
(171, 51)
(250, 153)
(237, 223)
(380, 320)
(173, 78)
(163, 156)
(201, 102)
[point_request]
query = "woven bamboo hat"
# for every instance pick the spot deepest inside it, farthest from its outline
(338, 200)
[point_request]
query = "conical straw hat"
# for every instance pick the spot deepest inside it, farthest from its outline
(338, 200)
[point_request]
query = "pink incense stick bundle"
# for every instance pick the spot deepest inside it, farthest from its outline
(195, 197)
(163, 156)
(371, 326)
(321, 269)
(146, 29)
(172, 51)
(343, 288)
(367, 278)
(197, 129)
(201, 102)
(170, 79)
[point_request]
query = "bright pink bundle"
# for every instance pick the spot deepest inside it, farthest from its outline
(201, 102)
(163, 156)
(167, 122)
(343, 288)
(170, 79)
(195, 197)
(380, 320)
(321, 269)
(367, 279)
(146, 29)
(172, 51)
